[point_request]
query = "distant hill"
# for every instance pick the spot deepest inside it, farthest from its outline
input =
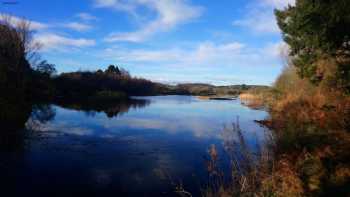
(201, 89)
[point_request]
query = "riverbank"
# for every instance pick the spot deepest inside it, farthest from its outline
(311, 137)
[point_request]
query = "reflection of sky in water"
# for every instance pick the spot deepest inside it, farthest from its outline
(138, 152)
(172, 115)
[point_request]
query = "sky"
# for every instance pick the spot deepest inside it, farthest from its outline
(171, 41)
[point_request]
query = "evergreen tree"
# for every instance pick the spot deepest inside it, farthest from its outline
(318, 30)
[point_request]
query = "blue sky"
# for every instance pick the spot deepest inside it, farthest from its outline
(171, 41)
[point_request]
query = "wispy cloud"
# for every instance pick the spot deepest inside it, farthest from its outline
(204, 52)
(260, 18)
(219, 63)
(47, 38)
(54, 41)
(14, 20)
(169, 14)
(86, 16)
(77, 26)
(279, 4)
(206, 62)
(259, 22)
(279, 49)
(124, 5)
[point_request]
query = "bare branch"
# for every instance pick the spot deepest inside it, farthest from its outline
(22, 29)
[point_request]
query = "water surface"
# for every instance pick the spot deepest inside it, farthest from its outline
(142, 148)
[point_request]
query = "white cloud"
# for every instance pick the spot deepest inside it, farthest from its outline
(260, 18)
(209, 52)
(203, 53)
(205, 59)
(86, 16)
(124, 5)
(54, 41)
(233, 60)
(279, 49)
(78, 26)
(259, 22)
(109, 3)
(279, 3)
(14, 20)
(169, 14)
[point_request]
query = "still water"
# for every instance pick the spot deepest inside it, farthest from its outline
(146, 147)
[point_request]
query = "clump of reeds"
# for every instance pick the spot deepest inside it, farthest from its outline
(257, 98)
(253, 173)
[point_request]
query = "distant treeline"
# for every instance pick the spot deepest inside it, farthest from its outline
(200, 89)
(114, 82)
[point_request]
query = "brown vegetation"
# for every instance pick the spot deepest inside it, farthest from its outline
(311, 125)
(252, 174)
(256, 98)
(310, 146)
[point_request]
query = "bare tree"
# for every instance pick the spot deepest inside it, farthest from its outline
(22, 34)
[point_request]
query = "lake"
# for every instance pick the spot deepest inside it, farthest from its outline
(145, 147)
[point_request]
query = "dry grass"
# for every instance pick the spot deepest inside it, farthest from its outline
(254, 101)
(311, 141)
(312, 130)
(312, 138)
(251, 174)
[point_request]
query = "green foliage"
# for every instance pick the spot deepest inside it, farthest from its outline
(315, 30)
(244, 87)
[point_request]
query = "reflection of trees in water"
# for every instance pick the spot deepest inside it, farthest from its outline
(41, 114)
(14, 134)
(111, 109)
(13, 115)
(17, 120)
(12, 121)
